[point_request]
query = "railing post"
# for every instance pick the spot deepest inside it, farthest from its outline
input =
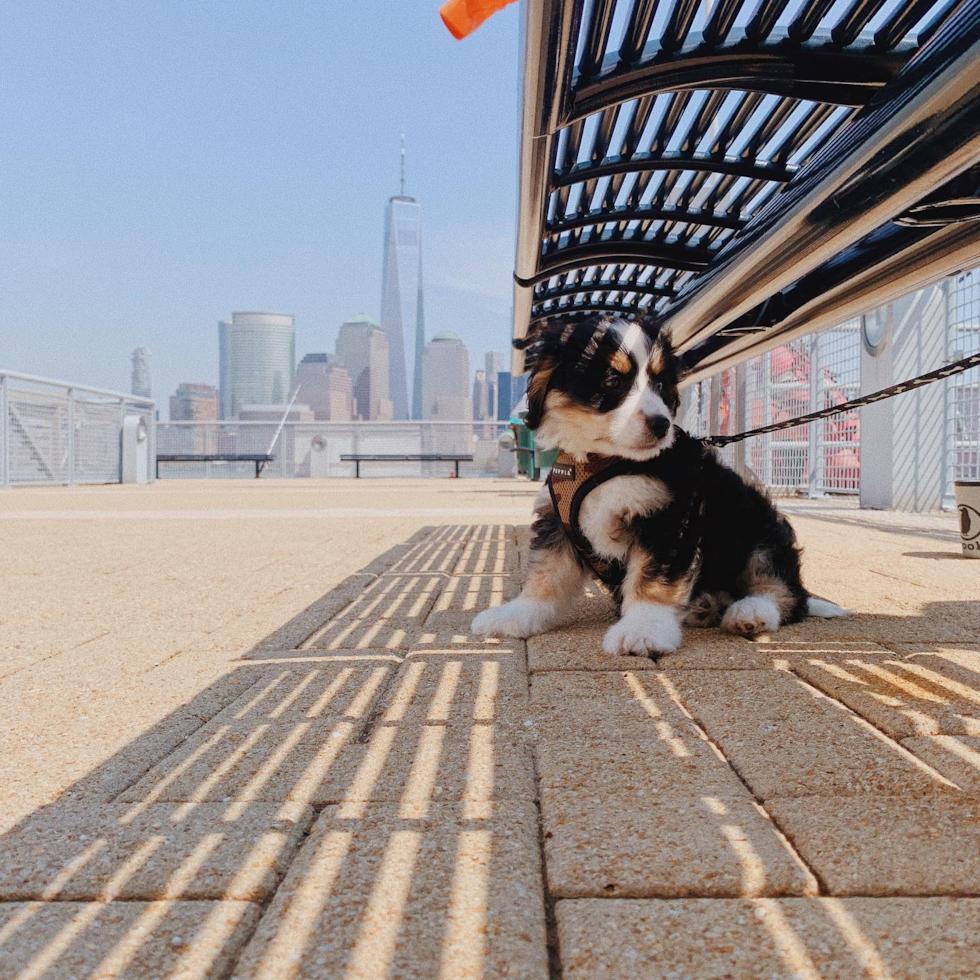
(71, 437)
(814, 447)
(4, 434)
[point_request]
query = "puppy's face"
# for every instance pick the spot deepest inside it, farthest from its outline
(602, 386)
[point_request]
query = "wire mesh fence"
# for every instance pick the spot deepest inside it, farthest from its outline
(963, 391)
(56, 433)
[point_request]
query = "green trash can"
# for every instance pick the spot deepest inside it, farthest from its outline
(531, 461)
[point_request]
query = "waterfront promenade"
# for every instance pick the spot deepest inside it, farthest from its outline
(246, 733)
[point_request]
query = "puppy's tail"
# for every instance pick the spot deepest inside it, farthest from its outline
(823, 608)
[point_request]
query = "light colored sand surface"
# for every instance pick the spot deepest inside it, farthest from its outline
(248, 733)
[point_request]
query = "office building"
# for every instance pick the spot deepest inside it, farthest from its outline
(495, 362)
(362, 348)
(140, 379)
(257, 360)
(510, 390)
(401, 300)
(274, 414)
(325, 385)
(224, 374)
(481, 409)
(446, 380)
(194, 402)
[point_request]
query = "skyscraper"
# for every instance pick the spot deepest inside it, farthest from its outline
(141, 384)
(257, 359)
(401, 299)
(446, 380)
(224, 373)
(362, 348)
(326, 387)
(495, 362)
(194, 403)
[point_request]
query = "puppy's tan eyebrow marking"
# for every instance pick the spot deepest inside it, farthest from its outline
(620, 361)
(656, 363)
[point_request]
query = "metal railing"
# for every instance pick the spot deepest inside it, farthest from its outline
(313, 449)
(56, 432)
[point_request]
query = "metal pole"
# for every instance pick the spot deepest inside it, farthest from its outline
(71, 437)
(4, 434)
(814, 447)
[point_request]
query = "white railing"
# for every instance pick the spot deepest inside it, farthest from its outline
(313, 449)
(56, 432)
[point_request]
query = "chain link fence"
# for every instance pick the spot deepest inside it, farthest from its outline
(53, 432)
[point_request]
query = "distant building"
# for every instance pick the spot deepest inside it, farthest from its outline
(326, 387)
(257, 359)
(445, 379)
(273, 414)
(496, 362)
(362, 348)
(510, 390)
(224, 370)
(481, 399)
(401, 300)
(141, 384)
(194, 403)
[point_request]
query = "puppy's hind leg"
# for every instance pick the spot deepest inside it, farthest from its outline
(774, 596)
(549, 597)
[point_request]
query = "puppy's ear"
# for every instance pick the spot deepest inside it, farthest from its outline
(542, 350)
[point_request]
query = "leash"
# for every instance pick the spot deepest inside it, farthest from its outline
(957, 367)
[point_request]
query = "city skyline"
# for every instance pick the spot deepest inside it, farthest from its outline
(241, 195)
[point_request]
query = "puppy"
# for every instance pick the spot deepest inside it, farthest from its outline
(633, 499)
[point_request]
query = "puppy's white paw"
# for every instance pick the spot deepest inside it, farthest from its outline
(645, 629)
(520, 618)
(751, 615)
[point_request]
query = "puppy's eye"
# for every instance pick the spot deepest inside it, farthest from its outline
(658, 388)
(616, 382)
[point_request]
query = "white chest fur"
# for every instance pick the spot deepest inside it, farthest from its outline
(607, 509)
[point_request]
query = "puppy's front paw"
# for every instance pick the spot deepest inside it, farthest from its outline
(752, 615)
(519, 617)
(645, 630)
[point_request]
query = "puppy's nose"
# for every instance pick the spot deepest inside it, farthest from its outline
(659, 425)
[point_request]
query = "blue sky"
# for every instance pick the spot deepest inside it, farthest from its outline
(163, 164)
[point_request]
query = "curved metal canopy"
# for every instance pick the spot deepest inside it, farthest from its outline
(744, 170)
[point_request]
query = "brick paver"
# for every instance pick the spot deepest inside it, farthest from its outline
(374, 792)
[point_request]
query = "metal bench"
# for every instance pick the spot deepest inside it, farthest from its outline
(260, 459)
(358, 458)
(748, 179)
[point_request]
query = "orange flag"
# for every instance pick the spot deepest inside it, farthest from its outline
(463, 17)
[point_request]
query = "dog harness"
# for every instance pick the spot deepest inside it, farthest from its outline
(570, 482)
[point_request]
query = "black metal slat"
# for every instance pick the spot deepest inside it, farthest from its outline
(736, 123)
(572, 143)
(801, 132)
(764, 20)
(720, 22)
(596, 37)
(925, 35)
(638, 28)
(678, 24)
(901, 22)
(854, 20)
(808, 19)
(769, 128)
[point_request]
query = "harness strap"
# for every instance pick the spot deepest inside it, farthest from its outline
(569, 483)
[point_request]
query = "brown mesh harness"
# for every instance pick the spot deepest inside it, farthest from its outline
(570, 482)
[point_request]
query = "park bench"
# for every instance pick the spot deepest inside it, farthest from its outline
(260, 459)
(358, 458)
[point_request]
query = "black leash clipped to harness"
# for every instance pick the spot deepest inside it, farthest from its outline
(957, 367)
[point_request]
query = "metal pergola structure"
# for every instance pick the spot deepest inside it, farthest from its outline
(746, 171)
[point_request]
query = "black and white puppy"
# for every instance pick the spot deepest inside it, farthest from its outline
(679, 536)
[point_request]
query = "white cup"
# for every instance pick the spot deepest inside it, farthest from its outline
(968, 504)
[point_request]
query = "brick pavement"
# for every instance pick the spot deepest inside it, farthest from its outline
(375, 793)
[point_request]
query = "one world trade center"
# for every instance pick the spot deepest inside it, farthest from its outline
(401, 300)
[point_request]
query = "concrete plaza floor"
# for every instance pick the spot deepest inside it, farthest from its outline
(246, 733)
